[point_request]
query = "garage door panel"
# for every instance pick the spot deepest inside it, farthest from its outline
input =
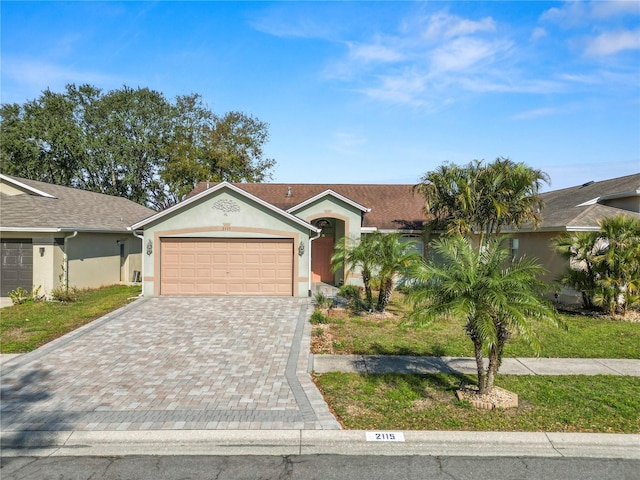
(17, 265)
(226, 267)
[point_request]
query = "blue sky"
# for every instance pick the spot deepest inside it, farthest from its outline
(364, 92)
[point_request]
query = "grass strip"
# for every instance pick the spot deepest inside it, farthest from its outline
(605, 404)
(587, 337)
(25, 327)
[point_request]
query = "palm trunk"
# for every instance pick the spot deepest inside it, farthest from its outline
(495, 354)
(477, 346)
(385, 294)
(366, 279)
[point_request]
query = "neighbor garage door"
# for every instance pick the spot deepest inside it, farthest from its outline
(206, 266)
(17, 265)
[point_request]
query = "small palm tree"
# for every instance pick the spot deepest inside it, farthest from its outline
(494, 296)
(580, 248)
(619, 261)
(605, 265)
(354, 255)
(394, 257)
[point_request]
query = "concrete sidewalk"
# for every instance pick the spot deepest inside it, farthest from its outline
(322, 442)
(510, 366)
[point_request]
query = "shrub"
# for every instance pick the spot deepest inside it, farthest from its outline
(20, 295)
(350, 292)
(317, 317)
(323, 301)
(65, 295)
(353, 295)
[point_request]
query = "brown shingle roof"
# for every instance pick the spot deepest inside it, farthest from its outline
(392, 206)
(561, 207)
(71, 208)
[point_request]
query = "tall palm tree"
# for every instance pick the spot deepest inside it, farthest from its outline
(495, 297)
(483, 199)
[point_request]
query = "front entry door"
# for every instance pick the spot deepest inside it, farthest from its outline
(321, 253)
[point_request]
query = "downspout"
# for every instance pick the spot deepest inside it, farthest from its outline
(142, 260)
(311, 239)
(66, 260)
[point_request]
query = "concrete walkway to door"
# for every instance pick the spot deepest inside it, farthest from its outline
(172, 363)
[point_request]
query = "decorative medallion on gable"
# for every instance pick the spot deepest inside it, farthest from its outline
(226, 206)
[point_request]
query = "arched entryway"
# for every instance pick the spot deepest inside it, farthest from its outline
(322, 251)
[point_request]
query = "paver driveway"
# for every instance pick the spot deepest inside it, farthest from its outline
(172, 363)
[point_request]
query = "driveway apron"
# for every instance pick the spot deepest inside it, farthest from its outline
(173, 363)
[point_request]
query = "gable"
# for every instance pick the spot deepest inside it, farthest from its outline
(220, 206)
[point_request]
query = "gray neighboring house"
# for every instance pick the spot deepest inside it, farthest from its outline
(53, 235)
(575, 209)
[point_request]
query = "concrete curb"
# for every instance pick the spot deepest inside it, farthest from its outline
(319, 442)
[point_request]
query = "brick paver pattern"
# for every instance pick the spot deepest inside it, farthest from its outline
(173, 363)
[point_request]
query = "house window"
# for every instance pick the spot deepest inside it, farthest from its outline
(515, 247)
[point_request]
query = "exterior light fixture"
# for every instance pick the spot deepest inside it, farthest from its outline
(149, 247)
(301, 248)
(42, 251)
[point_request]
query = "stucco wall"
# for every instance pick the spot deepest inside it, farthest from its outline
(225, 214)
(48, 263)
(94, 260)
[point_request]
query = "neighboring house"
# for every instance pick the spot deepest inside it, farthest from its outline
(53, 235)
(266, 239)
(575, 209)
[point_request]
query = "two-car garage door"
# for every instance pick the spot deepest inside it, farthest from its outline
(208, 266)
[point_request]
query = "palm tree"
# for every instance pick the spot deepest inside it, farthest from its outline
(580, 249)
(394, 256)
(483, 199)
(354, 255)
(619, 259)
(605, 265)
(495, 298)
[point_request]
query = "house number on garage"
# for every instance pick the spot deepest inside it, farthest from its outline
(385, 436)
(226, 206)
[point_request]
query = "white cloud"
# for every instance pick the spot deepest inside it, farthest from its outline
(374, 53)
(609, 43)
(538, 33)
(443, 25)
(42, 74)
(580, 13)
(463, 53)
(404, 88)
(608, 9)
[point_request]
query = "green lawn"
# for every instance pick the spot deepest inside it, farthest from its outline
(587, 337)
(605, 404)
(25, 327)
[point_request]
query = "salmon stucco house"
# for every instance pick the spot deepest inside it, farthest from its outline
(266, 239)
